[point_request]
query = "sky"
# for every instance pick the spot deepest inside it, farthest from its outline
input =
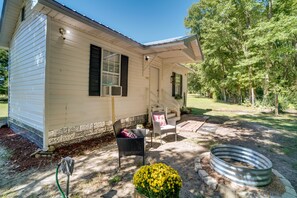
(141, 20)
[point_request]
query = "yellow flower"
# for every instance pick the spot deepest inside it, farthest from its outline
(157, 179)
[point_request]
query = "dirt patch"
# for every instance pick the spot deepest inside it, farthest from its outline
(18, 159)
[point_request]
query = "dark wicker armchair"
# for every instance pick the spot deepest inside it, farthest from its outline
(129, 146)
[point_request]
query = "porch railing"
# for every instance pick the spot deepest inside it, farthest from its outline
(169, 102)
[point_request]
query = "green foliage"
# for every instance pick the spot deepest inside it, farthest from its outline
(247, 45)
(116, 179)
(3, 71)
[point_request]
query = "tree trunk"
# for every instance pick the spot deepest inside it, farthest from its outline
(265, 88)
(270, 9)
(276, 104)
(252, 96)
(224, 95)
(240, 96)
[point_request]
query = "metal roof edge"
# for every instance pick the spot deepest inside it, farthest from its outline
(2, 14)
(199, 45)
(78, 16)
(184, 38)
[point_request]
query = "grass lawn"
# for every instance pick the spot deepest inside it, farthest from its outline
(210, 107)
(287, 123)
(3, 110)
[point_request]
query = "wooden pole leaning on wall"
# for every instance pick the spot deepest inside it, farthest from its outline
(112, 110)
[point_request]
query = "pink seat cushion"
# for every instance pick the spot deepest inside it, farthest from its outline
(160, 119)
(125, 133)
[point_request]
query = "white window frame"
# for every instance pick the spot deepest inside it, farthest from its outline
(106, 72)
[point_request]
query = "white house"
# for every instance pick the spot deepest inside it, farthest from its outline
(63, 68)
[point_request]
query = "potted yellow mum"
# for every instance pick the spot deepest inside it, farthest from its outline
(157, 180)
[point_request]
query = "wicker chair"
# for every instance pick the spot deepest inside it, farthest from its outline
(168, 127)
(129, 146)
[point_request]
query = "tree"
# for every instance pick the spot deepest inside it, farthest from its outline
(273, 45)
(3, 71)
(248, 45)
(221, 26)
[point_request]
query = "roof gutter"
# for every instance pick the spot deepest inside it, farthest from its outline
(185, 67)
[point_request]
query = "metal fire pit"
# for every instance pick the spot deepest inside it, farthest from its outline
(260, 175)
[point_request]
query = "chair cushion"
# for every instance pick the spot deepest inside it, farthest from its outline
(160, 119)
(125, 133)
(167, 127)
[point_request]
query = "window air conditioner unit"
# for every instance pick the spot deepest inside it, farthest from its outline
(112, 91)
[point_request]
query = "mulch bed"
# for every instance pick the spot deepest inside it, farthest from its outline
(20, 150)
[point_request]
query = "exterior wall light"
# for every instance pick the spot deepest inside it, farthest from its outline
(63, 32)
(146, 58)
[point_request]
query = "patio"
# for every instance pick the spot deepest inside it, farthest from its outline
(96, 172)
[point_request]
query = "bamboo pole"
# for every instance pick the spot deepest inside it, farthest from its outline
(112, 110)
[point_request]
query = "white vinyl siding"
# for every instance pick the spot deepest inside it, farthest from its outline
(27, 69)
(68, 81)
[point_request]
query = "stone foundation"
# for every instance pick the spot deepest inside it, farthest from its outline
(73, 134)
(26, 131)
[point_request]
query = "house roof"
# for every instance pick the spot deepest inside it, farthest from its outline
(54, 9)
(166, 41)
(9, 20)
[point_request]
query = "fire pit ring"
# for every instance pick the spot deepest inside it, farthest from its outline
(259, 175)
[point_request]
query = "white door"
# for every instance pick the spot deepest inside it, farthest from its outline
(154, 84)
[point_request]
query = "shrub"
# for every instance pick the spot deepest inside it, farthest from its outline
(157, 180)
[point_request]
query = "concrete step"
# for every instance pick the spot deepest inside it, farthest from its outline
(157, 109)
(171, 115)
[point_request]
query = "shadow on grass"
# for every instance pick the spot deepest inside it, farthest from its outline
(212, 119)
(272, 122)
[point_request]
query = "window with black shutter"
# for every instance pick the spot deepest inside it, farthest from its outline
(177, 85)
(112, 77)
(23, 13)
(95, 71)
(124, 74)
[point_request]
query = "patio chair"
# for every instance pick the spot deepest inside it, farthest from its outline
(129, 146)
(161, 125)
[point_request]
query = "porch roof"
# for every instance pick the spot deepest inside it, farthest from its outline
(175, 50)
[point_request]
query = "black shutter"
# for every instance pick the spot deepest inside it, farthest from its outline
(124, 74)
(181, 85)
(173, 83)
(95, 71)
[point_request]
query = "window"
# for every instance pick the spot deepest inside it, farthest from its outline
(108, 70)
(111, 68)
(23, 13)
(177, 85)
